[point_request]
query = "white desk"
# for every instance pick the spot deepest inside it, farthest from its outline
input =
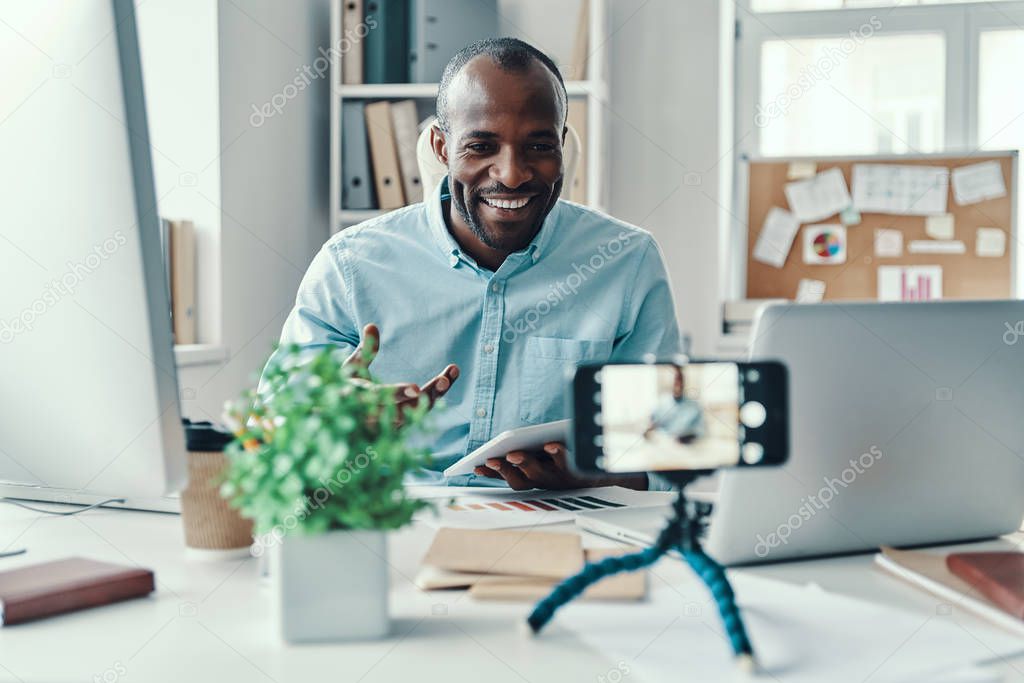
(214, 621)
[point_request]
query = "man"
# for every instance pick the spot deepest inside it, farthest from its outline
(676, 415)
(492, 279)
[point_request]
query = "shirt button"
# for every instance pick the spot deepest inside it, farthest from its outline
(488, 348)
(480, 412)
(454, 259)
(495, 287)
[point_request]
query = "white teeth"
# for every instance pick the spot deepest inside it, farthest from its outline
(508, 203)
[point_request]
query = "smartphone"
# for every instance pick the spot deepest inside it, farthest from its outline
(663, 417)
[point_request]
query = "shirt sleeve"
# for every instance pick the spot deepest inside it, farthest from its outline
(322, 315)
(650, 326)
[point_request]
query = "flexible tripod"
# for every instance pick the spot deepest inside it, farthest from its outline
(681, 533)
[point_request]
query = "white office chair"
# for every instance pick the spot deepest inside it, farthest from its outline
(432, 170)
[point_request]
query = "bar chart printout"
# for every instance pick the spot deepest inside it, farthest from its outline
(909, 283)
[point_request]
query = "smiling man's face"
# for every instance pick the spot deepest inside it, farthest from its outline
(503, 149)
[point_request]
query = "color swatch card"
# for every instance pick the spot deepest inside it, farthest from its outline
(903, 190)
(824, 245)
(978, 182)
(490, 510)
(818, 197)
(776, 237)
(909, 283)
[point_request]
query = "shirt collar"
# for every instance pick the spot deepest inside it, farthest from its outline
(450, 248)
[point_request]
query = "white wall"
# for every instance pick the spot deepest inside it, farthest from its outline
(273, 179)
(183, 109)
(670, 113)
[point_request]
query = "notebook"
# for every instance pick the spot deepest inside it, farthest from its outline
(75, 583)
(929, 571)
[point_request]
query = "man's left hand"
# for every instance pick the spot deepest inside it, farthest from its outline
(547, 469)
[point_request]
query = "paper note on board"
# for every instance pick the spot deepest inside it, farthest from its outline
(810, 291)
(888, 243)
(819, 197)
(824, 245)
(776, 237)
(798, 170)
(941, 227)
(990, 243)
(909, 283)
(900, 189)
(937, 247)
(978, 182)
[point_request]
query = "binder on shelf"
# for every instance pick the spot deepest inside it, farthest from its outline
(440, 28)
(577, 118)
(386, 50)
(405, 122)
(356, 182)
(183, 281)
(384, 156)
(352, 58)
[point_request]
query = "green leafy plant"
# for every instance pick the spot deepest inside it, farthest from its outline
(323, 446)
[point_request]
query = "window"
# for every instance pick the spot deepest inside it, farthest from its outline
(1000, 95)
(838, 96)
(878, 76)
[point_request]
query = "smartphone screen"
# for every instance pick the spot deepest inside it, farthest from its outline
(667, 417)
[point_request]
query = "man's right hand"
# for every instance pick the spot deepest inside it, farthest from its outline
(407, 394)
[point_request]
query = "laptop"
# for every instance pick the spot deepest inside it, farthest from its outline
(906, 426)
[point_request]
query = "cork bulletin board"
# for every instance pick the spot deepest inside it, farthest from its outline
(964, 276)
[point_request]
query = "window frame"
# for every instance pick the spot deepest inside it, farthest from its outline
(961, 24)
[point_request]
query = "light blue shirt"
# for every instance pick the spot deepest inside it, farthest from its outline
(588, 288)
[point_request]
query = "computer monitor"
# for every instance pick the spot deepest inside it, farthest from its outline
(88, 389)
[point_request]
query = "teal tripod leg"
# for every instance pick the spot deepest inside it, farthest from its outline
(571, 588)
(681, 534)
(713, 576)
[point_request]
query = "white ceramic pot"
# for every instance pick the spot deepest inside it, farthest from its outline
(332, 586)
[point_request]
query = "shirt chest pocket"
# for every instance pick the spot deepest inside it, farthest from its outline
(548, 364)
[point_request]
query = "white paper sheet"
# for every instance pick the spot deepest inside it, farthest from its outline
(909, 283)
(799, 633)
(888, 243)
(824, 245)
(990, 242)
(937, 247)
(776, 237)
(810, 291)
(897, 189)
(941, 227)
(798, 170)
(819, 197)
(978, 182)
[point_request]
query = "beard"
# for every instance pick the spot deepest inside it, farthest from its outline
(516, 236)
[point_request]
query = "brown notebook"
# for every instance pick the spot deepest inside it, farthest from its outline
(997, 576)
(60, 586)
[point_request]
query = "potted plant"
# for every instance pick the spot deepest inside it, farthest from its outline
(318, 463)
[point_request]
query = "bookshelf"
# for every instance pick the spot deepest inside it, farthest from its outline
(594, 90)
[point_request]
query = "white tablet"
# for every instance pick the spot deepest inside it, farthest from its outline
(524, 438)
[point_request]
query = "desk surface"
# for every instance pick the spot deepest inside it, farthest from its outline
(214, 621)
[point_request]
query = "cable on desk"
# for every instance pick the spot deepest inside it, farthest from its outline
(61, 513)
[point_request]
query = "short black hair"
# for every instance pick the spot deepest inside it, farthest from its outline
(510, 54)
